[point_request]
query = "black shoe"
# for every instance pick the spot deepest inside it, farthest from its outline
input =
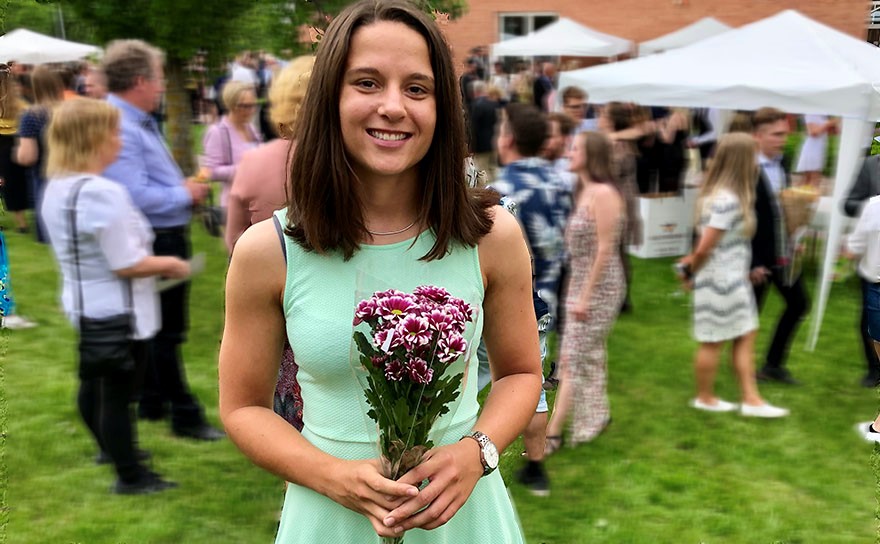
(149, 482)
(776, 374)
(103, 457)
(870, 380)
(151, 413)
(535, 479)
(202, 431)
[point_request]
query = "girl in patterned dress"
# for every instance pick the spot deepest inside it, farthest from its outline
(718, 271)
(595, 292)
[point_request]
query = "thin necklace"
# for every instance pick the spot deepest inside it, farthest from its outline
(393, 232)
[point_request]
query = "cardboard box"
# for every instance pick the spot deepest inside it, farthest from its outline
(667, 225)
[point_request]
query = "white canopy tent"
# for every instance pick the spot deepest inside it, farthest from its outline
(28, 47)
(564, 38)
(786, 61)
(694, 32)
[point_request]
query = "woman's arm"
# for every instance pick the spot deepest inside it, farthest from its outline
(708, 240)
(238, 215)
(156, 265)
(606, 208)
(27, 151)
(217, 152)
(249, 359)
(511, 336)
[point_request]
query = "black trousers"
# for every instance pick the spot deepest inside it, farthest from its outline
(165, 378)
(105, 406)
(796, 306)
(867, 342)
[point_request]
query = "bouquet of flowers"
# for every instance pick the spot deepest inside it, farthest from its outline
(412, 341)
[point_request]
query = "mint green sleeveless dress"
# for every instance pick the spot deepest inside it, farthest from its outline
(320, 295)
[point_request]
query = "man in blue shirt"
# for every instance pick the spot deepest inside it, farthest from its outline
(532, 187)
(145, 167)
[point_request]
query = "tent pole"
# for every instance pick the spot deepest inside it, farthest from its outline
(849, 156)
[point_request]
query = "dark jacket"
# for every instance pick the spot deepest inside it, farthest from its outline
(867, 185)
(482, 118)
(767, 205)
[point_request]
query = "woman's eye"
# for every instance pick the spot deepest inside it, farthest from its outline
(417, 90)
(366, 84)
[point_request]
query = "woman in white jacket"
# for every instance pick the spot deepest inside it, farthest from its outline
(108, 269)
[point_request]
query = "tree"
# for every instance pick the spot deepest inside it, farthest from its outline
(181, 28)
(184, 27)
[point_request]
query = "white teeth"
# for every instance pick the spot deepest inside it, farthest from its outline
(387, 136)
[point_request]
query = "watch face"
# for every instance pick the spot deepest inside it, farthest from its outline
(490, 454)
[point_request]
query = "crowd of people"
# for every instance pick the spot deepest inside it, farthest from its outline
(357, 165)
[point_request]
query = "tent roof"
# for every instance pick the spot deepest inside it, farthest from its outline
(694, 32)
(28, 47)
(787, 61)
(563, 37)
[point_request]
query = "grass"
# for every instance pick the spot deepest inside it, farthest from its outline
(662, 473)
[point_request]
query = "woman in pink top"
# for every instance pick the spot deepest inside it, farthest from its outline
(258, 186)
(226, 141)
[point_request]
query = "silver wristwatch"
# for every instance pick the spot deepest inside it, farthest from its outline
(488, 451)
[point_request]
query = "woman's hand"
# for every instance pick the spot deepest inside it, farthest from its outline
(453, 471)
(579, 311)
(361, 487)
(177, 268)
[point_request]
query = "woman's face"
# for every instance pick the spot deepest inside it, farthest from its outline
(245, 108)
(577, 155)
(387, 105)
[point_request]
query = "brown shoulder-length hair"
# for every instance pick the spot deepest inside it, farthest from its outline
(324, 204)
(599, 165)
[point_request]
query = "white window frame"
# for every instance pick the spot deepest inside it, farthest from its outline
(874, 8)
(528, 15)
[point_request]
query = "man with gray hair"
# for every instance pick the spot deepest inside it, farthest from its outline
(145, 167)
(482, 116)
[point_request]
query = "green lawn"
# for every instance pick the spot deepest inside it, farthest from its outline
(662, 473)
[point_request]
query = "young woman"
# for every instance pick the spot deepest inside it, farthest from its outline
(30, 152)
(595, 293)
(110, 270)
(375, 188)
(718, 269)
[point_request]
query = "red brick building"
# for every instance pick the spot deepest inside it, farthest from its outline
(637, 20)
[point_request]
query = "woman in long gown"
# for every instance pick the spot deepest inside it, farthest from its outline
(375, 189)
(595, 292)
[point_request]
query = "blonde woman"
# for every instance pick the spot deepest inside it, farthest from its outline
(103, 245)
(596, 287)
(718, 270)
(226, 141)
(258, 189)
(258, 186)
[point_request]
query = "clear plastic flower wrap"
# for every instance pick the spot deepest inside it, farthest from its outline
(410, 353)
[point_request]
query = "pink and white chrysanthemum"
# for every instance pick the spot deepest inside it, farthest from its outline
(451, 348)
(433, 293)
(415, 331)
(395, 307)
(419, 371)
(395, 370)
(387, 339)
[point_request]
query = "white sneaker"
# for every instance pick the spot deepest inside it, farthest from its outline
(862, 429)
(719, 406)
(14, 322)
(766, 410)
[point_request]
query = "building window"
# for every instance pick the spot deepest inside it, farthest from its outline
(513, 25)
